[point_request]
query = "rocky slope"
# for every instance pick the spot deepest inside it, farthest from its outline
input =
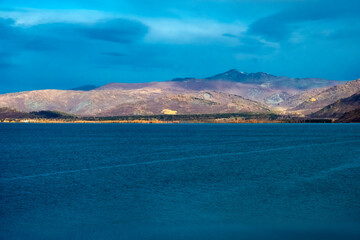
(350, 117)
(319, 99)
(228, 92)
(6, 112)
(339, 108)
(260, 93)
(273, 81)
(261, 87)
(129, 102)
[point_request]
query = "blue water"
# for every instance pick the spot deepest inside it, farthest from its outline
(180, 181)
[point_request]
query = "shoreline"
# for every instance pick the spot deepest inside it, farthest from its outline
(156, 121)
(246, 117)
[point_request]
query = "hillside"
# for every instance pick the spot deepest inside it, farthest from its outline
(261, 87)
(6, 112)
(350, 117)
(129, 102)
(339, 108)
(260, 93)
(228, 92)
(273, 81)
(321, 99)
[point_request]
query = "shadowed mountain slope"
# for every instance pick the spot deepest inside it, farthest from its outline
(328, 96)
(350, 117)
(6, 112)
(339, 108)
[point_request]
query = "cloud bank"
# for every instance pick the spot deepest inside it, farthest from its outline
(52, 44)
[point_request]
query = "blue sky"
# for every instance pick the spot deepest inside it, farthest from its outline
(69, 43)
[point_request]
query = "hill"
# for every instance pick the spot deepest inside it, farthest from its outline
(229, 92)
(129, 102)
(261, 87)
(339, 108)
(273, 81)
(6, 112)
(327, 96)
(350, 117)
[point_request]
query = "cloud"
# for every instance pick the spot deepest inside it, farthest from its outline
(6, 28)
(280, 25)
(48, 43)
(103, 25)
(31, 17)
(71, 47)
(52, 36)
(188, 31)
(115, 30)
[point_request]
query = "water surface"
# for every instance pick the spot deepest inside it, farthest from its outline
(179, 181)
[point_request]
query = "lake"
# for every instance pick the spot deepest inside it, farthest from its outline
(180, 181)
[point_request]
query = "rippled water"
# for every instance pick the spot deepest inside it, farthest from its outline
(179, 181)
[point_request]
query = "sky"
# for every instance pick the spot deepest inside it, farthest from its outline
(52, 44)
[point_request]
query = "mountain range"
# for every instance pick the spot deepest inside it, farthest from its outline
(229, 92)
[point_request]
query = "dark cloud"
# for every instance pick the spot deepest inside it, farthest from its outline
(69, 41)
(6, 28)
(52, 36)
(116, 30)
(296, 38)
(7, 34)
(278, 26)
(14, 38)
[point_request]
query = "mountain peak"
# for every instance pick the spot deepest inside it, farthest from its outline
(238, 76)
(235, 71)
(231, 75)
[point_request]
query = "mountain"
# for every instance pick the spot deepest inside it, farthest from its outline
(6, 112)
(339, 108)
(327, 96)
(262, 87)
(15, 114)
(260, 93)
(229, 92)
(350, 117)
(129, 102)
(260, 78)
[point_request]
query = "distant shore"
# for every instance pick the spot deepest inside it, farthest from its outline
(13, 116)
(157, 121)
